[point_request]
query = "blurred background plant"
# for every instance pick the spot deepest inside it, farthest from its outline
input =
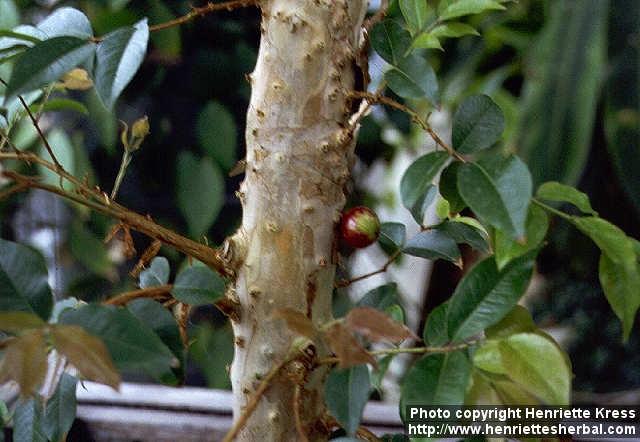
(565, 72)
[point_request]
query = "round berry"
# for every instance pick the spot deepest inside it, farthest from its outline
(359, 227)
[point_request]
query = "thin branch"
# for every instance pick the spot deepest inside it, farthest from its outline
(203, 10)
(16, 188)
(381, 99)
(366, 434)
(551, 209)
(254, 400)
(347, 282)
(158, 292)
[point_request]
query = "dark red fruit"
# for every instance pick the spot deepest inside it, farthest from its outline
(359, 227)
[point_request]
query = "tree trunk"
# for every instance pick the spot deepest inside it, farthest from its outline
(299, 148)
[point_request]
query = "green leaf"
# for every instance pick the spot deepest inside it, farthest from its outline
(132, 345)
(380, 297)
(536, 228)
(200, 187)
(66, 22)
(23, 280)
(91, 251)
(347, 392)
(60, 410)
(621, 285)
(9, 14)
(485, 295)
(416, 187)
(197, 285)
(518, 320)
(60, 104)
(415, 12)
(608, 237)
(212, 352)
(463, 233)
(377, 375)
(427, 40)
(118, 58)
(157, 273)
(449, 187)
(454, 30)
(414, 78)
(17, 322)
(488, 357)
(168, 42)
(555, 191)
(435, 330)
(392, 236)
(85, 352)
(477, 124)
(28, 424)
(436, 379)
(217, 134)
(433, 244)
(538, 366)
(46, 62)
(390, 40)
(498, 190)
(163, 324)
(461, 8)
(13, 35)
(561, 90)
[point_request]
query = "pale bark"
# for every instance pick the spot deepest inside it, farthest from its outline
(299, 148)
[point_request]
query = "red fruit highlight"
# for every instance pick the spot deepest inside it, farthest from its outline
(359, 227)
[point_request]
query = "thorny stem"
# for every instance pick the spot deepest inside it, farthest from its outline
(150, 292)
(347, 282)
(381, 99)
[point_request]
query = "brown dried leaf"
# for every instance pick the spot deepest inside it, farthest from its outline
(16, 322)
(87, 353)
(347, 348)
(25, 361)
(376, 325)
(297, 322)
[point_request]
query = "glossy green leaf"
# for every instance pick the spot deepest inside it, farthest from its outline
(118, 58)
(433, 244)
(217, 134)
(488, 357)
(200, 188)
(415, 12)
(538, 366)
(416, 187)
(485, 295)
(17, 322)
(435, 330)
(498, 190)
(621, 285)
(454, 30)
(85, 352)
(427, 40)
(24, 280)
(132, 345)
(66, 22)
(608, 237)
(562, 85)
(46, 62)
(390, 40)
(347, 392)
(436, 379)
(459, 8)
(392, 235)
(555, 191)
(518, 320)
(9, 14)
(28, 421)
(463, 233)
(449, 187)
(163, 324)
(506, 248)
(60, 410)
(60, 104)
(380, 297)
(196, 285)
(157, 273)
(414, 78)
(477, 124)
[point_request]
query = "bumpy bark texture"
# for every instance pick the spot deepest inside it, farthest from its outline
(299, 148)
